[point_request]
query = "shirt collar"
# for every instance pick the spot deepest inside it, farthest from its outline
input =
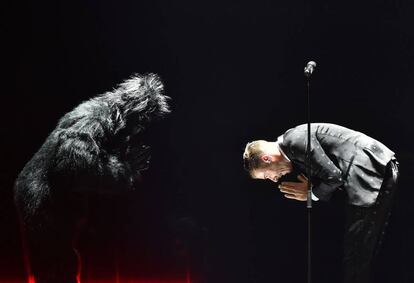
(279, 142)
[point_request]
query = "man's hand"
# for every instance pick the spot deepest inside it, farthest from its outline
(295, 190)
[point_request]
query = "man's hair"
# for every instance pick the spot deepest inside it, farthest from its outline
(252, 154)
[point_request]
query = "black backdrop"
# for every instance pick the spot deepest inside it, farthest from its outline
(234, 72)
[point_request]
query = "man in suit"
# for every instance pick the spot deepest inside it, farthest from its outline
(341, 159)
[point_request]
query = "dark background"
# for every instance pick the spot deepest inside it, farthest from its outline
(234, 72)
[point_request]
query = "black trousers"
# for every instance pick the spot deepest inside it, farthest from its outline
(365, 228)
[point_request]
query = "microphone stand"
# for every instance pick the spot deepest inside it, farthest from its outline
(308, 173)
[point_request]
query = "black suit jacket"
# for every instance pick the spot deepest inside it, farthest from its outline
(341, 159)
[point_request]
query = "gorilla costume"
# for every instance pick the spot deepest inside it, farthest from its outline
(96, 148)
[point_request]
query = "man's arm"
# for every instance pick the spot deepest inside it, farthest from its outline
(326, 176)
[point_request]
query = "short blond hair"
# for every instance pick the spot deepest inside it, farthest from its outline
(251, 156)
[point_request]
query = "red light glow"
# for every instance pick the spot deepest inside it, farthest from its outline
(31, 280)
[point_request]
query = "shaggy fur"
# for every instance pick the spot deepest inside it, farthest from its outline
(94, 148)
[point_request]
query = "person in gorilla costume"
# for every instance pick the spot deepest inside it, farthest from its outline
(96, 148)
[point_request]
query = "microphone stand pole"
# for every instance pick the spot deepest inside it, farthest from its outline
(308, 173)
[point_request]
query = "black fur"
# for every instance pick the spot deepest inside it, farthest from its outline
(94, 148)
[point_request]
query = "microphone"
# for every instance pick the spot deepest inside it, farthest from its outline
(309, 68)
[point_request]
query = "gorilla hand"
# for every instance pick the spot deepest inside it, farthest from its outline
(139, 157)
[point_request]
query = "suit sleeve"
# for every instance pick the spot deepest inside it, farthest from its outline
(326, 177)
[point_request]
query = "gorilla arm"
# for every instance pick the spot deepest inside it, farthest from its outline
(82, 162)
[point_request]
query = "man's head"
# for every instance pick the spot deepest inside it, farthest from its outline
(263, 160)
